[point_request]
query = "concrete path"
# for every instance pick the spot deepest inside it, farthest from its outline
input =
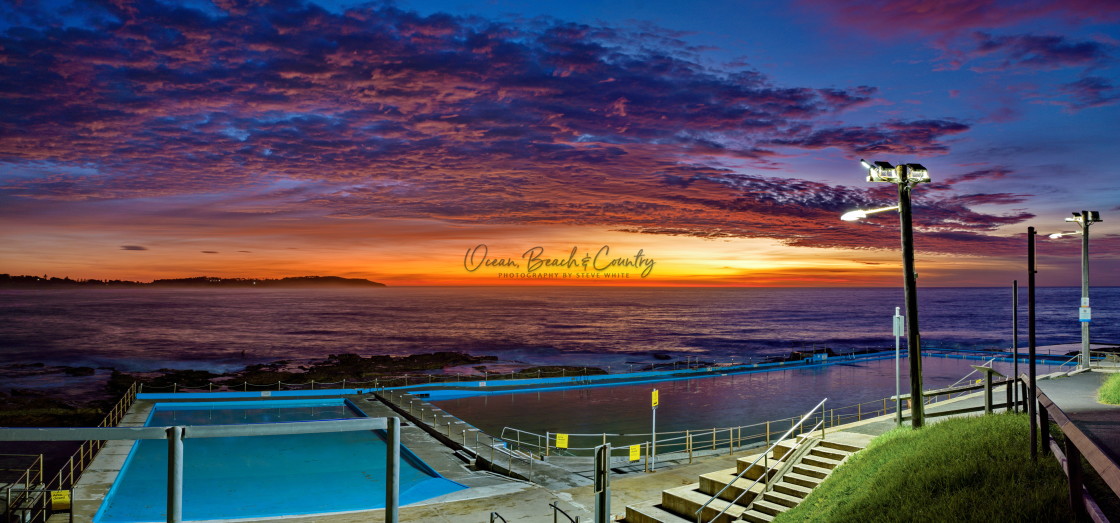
(1077, 396)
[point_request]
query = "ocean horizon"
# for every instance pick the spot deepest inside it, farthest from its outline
(226, 329)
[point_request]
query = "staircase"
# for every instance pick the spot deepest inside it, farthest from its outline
(796, 467)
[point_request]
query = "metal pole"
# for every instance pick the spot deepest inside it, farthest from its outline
(913, 338)
(174, 474)
(897, 371)
(603, 484)
(393, 470)
(1015, 338)
(1032, 402)
(653, 446)
(1085, 222)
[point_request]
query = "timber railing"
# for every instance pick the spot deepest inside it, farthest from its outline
(1076, 445)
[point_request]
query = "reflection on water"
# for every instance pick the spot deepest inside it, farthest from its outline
(722, 401)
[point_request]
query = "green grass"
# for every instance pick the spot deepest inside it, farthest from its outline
(961, 469)
(1110, 391)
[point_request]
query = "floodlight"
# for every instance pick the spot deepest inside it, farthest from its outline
(881, 172)
(916, 173)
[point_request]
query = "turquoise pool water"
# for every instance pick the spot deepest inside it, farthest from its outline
(264, 476)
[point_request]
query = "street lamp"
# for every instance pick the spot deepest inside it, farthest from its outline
(1083, 219)
(857, 215)
(905, 177)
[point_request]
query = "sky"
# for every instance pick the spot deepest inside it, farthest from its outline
(632, 142)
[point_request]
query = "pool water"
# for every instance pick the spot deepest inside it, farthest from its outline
(714, 401)
(264, 476)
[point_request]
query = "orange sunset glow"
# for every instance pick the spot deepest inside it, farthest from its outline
(384, 141)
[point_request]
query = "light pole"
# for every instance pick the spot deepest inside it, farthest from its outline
(1083, 219)
(905, 177)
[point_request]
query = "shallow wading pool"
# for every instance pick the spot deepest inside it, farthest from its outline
(264, 476)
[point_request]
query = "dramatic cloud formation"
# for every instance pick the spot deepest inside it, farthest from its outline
(243, 112)
(382, 112)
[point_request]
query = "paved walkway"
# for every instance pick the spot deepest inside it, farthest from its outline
(1077, 396)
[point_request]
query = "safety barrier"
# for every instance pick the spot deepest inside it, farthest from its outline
(33, 497)
(687, 443)
(175, 436)
(19, 492)
(1076, 446)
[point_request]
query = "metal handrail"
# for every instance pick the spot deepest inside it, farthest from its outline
(785, 467)
(739, 476)
(1071, 360)
(974, 371)
(556, 509)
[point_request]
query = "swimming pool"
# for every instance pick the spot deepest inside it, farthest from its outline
(701, 402)
(264, 476)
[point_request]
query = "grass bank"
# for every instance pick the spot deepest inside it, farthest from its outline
(962, 469)
(1110, 391)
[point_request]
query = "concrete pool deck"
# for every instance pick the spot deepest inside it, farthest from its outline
(513, 499)
(94, 484)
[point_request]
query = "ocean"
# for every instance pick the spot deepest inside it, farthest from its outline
(141, 329)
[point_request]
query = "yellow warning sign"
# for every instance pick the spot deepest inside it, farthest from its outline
(561, 441)
(655, 397)
(635, 452)
(60, 500)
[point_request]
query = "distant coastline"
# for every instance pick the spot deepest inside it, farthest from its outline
(8, 281)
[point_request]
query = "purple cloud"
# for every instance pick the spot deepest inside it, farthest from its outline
(1092, 91)
(380, 112)
(1040, 52)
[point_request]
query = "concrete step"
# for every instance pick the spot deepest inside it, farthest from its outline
(755, 516)
(829, 453)
(845, 446)
(685, 501)
(784, 448)
(652, 512)
(767, 507)
(820, 462)
(713, 482)
(809, 470)
(792, 489)
(800, 480)
(756, 471)
(779, 498)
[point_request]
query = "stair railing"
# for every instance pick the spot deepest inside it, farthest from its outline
(699, 512)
